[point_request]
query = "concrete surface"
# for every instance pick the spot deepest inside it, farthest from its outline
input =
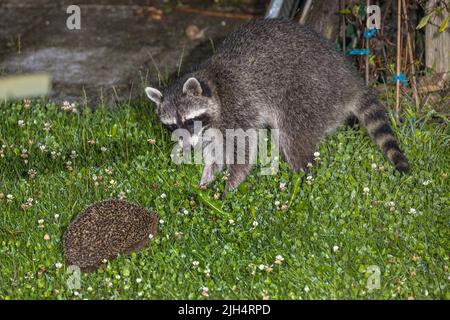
(112, 53)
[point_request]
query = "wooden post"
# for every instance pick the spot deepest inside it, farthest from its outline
(399, 56)
(367, 56)
(437, 44)
(344, 27)
(411, 55)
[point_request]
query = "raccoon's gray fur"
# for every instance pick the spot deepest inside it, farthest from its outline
(276, 74)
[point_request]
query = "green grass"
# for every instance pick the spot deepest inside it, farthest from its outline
(330, 235)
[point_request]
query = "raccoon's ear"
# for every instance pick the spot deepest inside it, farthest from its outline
(154, 94)
(193, 87)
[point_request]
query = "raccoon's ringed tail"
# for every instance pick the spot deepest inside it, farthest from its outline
(373, 117)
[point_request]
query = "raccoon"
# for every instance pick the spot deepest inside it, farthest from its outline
(276, 74)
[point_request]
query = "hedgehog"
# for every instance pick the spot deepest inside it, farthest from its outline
(106, 229)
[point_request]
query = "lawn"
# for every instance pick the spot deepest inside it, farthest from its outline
(286, 236)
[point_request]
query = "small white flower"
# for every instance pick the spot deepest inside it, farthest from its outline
(76, 293)
(231, 221)
(161, 221)
(103, 149)
(255, 224)
(391, 204)
(94, 177)
(309, 178)
(185, 212)
(316, 154)
(89, 289)
(56, 216)
(309, 165)
(279, 257)
(118, 276)
(306, 289)
(21, 123)
(335, 248)
(277, 203)
(163, 196)
(412, 211)
(366, 190)
(58, 265)
(205, 292)
(195, 263)
(138, 280)
(261, 267)
(427, 182)
(112, 182)
(150, 236)
(374, 165)
(41, 221)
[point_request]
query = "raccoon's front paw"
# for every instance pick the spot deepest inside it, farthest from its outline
(207, 176)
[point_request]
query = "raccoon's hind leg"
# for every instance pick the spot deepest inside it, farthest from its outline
(297, 151)
(237, 174)
(372, 115)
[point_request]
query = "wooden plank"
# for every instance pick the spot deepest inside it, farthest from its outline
(437, 44)
(24, 86)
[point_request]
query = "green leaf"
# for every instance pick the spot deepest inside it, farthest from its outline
(345, 11)
(444, 25)
(423, 22)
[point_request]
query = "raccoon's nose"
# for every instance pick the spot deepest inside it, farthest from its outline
(171, 127)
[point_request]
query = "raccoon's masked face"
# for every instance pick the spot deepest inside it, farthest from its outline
(189, 107)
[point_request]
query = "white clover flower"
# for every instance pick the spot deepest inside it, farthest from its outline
(316, 154)
(309, 165)
(41, 221)
(374, 165)
(309, 178)
(56, 216)
(412, 211)
(163, 196)
(366, 190)
(195, 263)
(306, 289)
(103, 149)
(335, 248)
(205, 292)
(21, 123)
(277, 203)
(261, 267)
(255, 224)
(185, 212)
(138, 280)
(58, 265)
(231, 221)
(279, 257)
(161, 221)
(427, 182)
